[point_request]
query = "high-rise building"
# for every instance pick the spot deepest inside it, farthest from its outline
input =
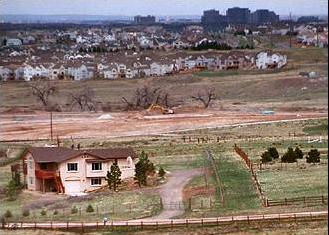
(237, 15)
(144, 19)
(308, 19)
(263, 16)
(212, 17)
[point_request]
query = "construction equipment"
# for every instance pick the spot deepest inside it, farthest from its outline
(162, 109)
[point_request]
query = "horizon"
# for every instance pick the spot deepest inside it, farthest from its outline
(156, 7)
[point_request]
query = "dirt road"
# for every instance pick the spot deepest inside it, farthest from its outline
(172, 193)
(77, 125)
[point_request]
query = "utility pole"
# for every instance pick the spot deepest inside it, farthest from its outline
(290, 30)
(51, 126)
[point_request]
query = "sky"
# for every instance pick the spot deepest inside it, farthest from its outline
(157, 7)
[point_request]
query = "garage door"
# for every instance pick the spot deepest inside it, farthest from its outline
(72, 187)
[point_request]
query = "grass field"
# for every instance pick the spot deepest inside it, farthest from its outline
(117, 206)
(295, 182)
(239, 192)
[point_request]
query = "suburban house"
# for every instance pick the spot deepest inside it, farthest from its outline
(73, 171)
(265, 60)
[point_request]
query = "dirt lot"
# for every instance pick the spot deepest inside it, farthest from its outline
(67, 125)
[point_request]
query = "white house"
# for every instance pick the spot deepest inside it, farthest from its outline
(265, 60)
(79, 72)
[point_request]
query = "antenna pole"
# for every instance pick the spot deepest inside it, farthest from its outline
(290, 34)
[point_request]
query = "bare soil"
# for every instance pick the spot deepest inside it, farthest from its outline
(88, 125)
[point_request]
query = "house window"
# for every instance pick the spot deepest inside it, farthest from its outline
(31, 180)
(96, 181)
(96, 166)
(72, 166)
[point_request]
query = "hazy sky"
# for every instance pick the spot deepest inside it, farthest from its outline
(157, 7)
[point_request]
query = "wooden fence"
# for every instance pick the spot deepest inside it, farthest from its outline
(249, 164)
(172, 223)
(313, 200)
(219, 184)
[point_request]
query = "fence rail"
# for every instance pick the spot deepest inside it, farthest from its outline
(173, 223)
(313, 200)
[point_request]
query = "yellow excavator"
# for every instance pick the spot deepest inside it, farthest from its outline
(154, 107)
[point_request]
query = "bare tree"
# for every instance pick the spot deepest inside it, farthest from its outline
(43, 90)
(206, 96)
(84, 100)
(145, 96)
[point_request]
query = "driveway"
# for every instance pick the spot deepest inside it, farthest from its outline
(172, 192)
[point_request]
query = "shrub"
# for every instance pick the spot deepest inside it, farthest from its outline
(8, 214)
(289, 156)
(26, 213)
(90, 209)
(43, 212)
(55, 212)
(74, 210)
(313, 156)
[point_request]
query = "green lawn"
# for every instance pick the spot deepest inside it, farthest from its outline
(239, 192)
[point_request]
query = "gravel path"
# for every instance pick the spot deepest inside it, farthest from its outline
(172, 193)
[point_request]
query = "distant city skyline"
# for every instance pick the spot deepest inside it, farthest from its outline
(157, 7)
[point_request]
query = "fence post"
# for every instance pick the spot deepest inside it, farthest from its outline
(157, 225)
(67, 225)
(285, 201)
(322, 199)
(248, 219)
(97, 224)
(190, 204)
(172, 224)
(186, 222)
(202, 223)
(142, 225)
(35, 225)
(295, 218)
(51, 224)
(217, 221)
(82, 228)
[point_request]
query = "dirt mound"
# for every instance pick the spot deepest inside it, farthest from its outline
(15, 110)
(197, 191)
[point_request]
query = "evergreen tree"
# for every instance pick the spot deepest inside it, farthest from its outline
(114, 176)
(143, 168)
(299, 153)
(313, 156)
(273, 152)
(289, 156)
(266, 157)
(162, 172)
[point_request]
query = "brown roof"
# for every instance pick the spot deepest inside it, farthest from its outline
(61, 154)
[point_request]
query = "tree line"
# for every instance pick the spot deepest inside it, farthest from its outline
(290, 156)
(86, 100)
